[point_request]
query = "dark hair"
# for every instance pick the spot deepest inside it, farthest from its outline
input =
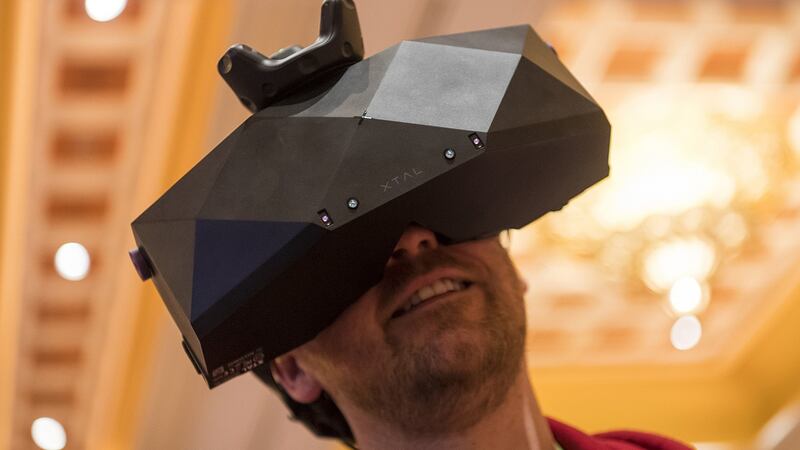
(322, 416)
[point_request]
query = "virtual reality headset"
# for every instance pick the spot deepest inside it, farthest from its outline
(293, 216)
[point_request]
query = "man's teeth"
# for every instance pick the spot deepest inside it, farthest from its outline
(439, 287)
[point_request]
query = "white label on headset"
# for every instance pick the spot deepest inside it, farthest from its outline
(238, 366)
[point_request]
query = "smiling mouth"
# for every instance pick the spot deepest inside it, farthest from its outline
(439, 288)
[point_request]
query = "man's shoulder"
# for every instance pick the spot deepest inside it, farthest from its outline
(570, 438)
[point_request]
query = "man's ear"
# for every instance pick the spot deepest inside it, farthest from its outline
(299, 384)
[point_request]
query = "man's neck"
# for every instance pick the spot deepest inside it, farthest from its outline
(516, 424)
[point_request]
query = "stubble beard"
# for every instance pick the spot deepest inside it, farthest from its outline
(447, 384)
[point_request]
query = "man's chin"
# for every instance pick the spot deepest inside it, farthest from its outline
(460, 357)
(456, 352)
(455, 379)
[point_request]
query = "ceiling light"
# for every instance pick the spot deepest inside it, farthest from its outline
(104, 10)
(731, 230)
(686, 295)
(48, 434)
(666, 262)
(686, 333)
(72, 261)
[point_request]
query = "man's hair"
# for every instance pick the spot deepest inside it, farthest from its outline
(321, 416)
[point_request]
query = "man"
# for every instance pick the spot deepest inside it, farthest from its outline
(273, 247)
(433, 357)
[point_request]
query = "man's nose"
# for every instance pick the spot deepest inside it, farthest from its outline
(415, 239)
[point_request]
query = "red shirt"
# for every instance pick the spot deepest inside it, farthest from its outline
(571, 439)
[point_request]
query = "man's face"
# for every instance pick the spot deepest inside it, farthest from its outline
(440, 363)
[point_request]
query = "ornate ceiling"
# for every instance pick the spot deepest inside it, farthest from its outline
(97, 119)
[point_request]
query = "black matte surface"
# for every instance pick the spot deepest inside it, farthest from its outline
(240, 256)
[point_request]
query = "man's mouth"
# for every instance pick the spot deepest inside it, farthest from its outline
(430, 292)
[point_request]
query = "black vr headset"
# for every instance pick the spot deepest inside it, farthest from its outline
(294, 215)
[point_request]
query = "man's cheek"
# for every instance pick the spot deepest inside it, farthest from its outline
(346, 344)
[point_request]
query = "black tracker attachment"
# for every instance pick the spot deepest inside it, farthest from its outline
(259, 81)
(293, 216)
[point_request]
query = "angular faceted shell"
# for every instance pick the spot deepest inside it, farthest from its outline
(255, 250)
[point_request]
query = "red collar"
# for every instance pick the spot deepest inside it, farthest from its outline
(572, 439)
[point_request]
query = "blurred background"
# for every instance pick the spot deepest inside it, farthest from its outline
(666, 298)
